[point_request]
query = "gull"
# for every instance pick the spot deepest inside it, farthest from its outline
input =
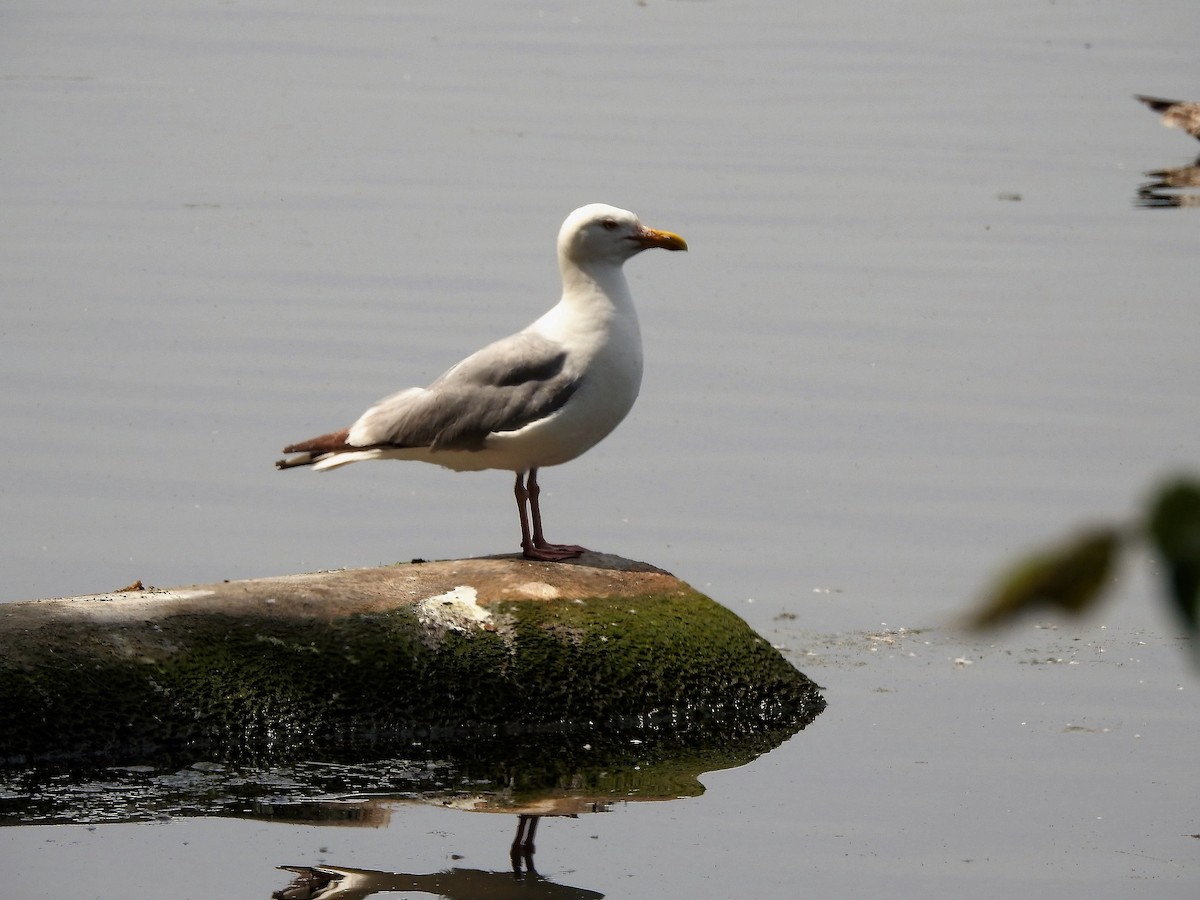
(537, 398)
(1176, 113)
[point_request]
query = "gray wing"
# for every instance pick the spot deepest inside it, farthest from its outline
(503, 387)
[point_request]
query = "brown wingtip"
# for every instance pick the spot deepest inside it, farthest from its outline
(314, 448)
(1158, 104)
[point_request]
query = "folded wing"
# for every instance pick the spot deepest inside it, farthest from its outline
(503, 387)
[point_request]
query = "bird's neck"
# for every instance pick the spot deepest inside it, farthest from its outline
(597, 287)
(595, 304)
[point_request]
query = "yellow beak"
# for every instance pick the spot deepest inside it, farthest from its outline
(652, 237)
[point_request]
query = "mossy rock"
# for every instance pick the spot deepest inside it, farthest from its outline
(461, 656)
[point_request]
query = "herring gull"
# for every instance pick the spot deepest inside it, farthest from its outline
(537, 398)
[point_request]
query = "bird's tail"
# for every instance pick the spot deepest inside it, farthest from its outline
(314, 449)
(306, 459)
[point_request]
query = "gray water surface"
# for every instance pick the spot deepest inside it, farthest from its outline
(923, 326)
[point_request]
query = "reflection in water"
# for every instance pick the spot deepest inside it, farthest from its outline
(328, 882)
(325, 882)
(532, 776)
(333, 881)
(1169, 188)
(522, 846)
(1176, 113)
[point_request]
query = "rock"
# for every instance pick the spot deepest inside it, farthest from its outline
(455, 655)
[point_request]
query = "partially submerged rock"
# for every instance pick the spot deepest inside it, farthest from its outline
(458, 655)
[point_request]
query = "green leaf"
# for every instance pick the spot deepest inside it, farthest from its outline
(1068, 577)
(1174, 528)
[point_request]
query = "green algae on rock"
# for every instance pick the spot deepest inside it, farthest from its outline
(359, 663)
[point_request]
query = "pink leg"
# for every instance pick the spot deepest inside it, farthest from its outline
(535, 510)
(535, 545)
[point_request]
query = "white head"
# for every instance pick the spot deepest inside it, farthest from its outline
(599, 233)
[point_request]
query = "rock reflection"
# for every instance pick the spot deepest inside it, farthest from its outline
(514, 775)
(528, 778)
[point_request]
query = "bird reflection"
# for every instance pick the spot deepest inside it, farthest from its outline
(1176, 113)
(522, 845)
(329, 882)
(1171, 188)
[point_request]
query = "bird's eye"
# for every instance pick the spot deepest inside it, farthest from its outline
(609, 224)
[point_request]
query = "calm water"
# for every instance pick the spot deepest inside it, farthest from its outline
(923, 325)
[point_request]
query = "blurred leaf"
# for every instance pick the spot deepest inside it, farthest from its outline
(1175, 530)
(1068, 577)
